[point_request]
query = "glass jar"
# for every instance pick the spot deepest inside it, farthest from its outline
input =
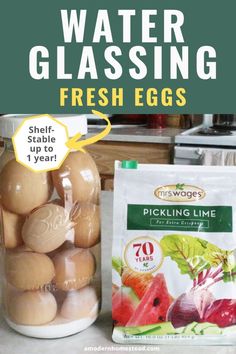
(50, 236)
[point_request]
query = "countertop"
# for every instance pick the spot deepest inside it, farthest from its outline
(98, 336)
(138, 134)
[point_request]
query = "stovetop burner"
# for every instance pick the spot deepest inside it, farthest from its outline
(214, 132)
(224, 127)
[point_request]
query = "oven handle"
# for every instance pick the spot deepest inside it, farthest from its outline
(200, 152)
(186, 152)
(196, 153)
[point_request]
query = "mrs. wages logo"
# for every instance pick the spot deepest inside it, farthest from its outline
(180, 192)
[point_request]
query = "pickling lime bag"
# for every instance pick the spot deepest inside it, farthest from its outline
(174, 254)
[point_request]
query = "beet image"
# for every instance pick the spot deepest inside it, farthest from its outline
(189, 307)
(183, 311)
(221, 312)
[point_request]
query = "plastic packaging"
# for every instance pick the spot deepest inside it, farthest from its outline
(174, 260)
(50, 232)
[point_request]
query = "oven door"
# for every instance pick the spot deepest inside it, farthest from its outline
(193, 155)
(187, 155)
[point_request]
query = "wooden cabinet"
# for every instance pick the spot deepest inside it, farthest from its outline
(106, 152)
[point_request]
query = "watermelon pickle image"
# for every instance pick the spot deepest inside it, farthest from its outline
(154, 304)
(124, 303)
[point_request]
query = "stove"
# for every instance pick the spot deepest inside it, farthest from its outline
(192, 144)
(203, 135)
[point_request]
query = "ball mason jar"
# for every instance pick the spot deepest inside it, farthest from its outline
(50, 237)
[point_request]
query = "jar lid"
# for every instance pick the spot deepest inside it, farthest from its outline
(75, 123)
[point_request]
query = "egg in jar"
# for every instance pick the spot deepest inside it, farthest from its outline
(86, 220)
(28, 270)
(80, 304)
(32, 307)
(22, 190)
(46, 228)
(12, 226)
(74, 268)
(78, 180)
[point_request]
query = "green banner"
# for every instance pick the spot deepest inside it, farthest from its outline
(120, 57)
(180, 218)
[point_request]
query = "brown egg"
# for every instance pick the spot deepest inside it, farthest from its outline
(86, 221)
(28, 270)
(46, 228)
(22, 190)
(78, 178)
(74, 268)
(32, 308)
(12, 225)
(80, 304)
